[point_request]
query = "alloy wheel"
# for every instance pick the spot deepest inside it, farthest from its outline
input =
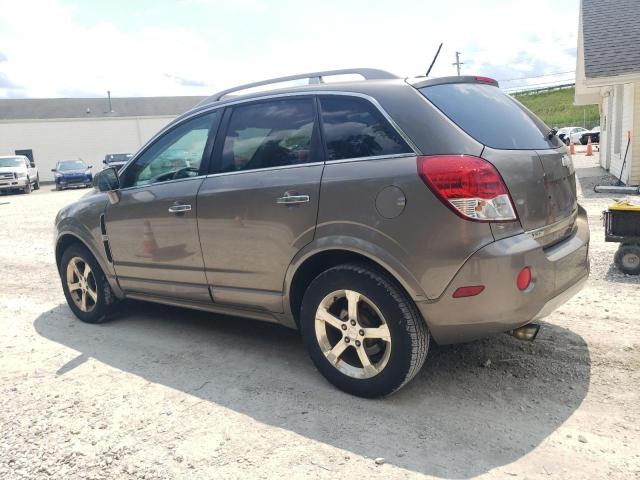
(353, 334)
(81, 284)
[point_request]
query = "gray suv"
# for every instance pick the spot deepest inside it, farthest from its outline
(373, 215)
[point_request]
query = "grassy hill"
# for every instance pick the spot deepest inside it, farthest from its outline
(556, 109)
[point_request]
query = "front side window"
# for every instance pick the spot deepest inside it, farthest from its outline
(269, 134)
(354, 128)
(175, 155)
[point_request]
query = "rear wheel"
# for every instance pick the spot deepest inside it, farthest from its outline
(362, 331)
(85, 285)
(628, 259)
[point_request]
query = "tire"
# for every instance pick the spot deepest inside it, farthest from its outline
(584, 141)
(627, 259)
(27, 187)
(58, 188)
(381, 302)
(96, 310)
(36, 185)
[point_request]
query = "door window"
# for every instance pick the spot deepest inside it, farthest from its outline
(175, 155)
(269, 134)
(355, 128)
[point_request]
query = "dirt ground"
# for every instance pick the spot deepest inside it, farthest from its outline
(169, 393)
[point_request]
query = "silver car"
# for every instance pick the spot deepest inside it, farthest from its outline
(375, 216)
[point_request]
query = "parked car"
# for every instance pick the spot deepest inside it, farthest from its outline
(373, 215)
(562, 133)
(72, 173)
(594, 133)
(18, 173)
(574, 135)
(116, 160)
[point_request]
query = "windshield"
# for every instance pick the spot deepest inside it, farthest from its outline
(11, 162)
(72, 165)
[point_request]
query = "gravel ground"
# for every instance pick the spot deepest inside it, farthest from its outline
(168, 393)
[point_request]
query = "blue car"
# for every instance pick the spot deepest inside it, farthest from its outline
(72, 173)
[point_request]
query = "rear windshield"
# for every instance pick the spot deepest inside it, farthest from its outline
(490, 116)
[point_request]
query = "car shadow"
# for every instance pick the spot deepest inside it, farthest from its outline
(614, 274)
(472, 408)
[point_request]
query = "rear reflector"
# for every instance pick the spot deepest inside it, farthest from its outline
(471, 291)
(524, 278)
(470, 186)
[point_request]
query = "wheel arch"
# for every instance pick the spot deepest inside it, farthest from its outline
(310, 264)
(66, 239)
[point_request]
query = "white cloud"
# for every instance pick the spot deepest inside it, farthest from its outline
(53, 54)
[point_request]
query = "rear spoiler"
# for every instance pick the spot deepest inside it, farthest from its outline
(419, 82)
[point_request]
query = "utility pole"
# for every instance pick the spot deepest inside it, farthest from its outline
(457, 63)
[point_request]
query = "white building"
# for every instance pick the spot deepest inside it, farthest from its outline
(71, 128)
(608, 74)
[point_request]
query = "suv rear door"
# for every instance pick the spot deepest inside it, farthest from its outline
(258, 208)
(535, 166)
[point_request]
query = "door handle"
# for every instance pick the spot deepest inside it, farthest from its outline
(292, 199)
(179, 208)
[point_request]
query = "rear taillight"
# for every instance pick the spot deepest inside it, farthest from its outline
(470, 186)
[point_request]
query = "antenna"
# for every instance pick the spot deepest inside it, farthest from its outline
(434, 60)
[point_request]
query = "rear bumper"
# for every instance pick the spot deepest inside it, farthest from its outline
(558, 273)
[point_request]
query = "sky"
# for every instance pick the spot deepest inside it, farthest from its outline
(82, 48)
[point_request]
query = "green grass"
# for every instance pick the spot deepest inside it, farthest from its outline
(556, 108)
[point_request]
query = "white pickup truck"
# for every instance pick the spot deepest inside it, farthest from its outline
(17, 173)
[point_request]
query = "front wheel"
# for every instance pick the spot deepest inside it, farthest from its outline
(363, 333)
(36, 185)
(85, 285)
(27, 187)
(627, 259)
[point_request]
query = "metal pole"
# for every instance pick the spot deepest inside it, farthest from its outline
(457, 63)
(109, 97)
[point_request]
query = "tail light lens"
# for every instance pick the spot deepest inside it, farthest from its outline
(470, 186)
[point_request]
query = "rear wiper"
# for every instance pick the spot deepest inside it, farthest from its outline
(551, 133)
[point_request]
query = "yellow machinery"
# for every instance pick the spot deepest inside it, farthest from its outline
(622, 225)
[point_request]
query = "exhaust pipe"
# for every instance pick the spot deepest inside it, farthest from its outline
(527, 333)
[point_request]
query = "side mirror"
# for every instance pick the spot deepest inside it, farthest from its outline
(53, 170)
(105, 161)
(106, 180)
(89, 166)
(33, 164)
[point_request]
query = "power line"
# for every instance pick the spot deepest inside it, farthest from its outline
(536, 76)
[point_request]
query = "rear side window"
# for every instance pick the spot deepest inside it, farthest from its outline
(354, 128)
(490, 116)
(269, 134)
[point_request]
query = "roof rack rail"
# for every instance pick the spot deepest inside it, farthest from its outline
(314, 77)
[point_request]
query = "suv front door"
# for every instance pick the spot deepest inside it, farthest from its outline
(259, 206)
(152, 230)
